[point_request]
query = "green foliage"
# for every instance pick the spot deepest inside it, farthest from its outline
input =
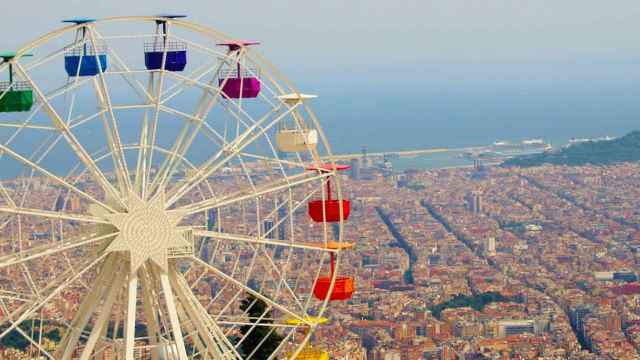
(53, 335)
(477, 302)
(257, 309)
(15, 340)
(416, 186)
(624, 149)
(583, 285)
(408, 277)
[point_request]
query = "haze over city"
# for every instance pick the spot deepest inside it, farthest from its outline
(424, 73)
(360, 180)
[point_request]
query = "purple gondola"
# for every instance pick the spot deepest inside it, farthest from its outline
(239, 82)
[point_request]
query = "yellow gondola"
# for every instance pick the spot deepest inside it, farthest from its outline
(309, 352)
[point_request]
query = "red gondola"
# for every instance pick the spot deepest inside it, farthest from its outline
(344, 285)
(329, 210)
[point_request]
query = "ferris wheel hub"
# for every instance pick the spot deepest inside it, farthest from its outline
(208, 119)
(147, 231)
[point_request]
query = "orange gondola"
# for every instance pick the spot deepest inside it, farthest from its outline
(344, 285)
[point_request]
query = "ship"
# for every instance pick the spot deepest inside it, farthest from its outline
(574, 141)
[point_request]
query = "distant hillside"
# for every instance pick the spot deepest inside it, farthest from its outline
(626, 148)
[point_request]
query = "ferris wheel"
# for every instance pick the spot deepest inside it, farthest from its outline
(166, 193)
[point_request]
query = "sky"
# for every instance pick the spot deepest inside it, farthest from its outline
(454, 71)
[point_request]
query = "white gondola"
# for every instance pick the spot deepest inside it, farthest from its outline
(129, 202)
(296, 140)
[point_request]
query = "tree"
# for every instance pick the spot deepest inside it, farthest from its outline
(258, 313)
(53, 335)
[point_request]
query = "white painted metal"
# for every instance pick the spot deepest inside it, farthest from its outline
(112, 205)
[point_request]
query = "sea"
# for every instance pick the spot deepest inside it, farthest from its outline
(384, 112)
(404, 114)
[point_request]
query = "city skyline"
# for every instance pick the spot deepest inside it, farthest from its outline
(470, 73)
(167, 193)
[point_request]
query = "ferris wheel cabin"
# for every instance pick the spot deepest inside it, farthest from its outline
(239, 82)
(329, 210)
(84, 58)
(309, 352)
(296, 139)
(15, 96)
(344, 285)
(161, 53)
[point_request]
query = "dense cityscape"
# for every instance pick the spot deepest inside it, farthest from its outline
(558, 242)
(167, 193)
(471, 263)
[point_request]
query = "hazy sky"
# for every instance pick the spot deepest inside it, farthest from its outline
(554, 57)
(376, 32)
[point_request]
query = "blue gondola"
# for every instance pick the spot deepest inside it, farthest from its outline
(176, 55)
(79, 62)
(85, 59)
(154, 51)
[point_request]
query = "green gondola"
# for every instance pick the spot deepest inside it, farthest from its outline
(15, 96)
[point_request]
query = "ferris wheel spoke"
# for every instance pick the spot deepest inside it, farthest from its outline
(208, 330)
(80, 151)
(211, 87)
(197, 74)
(178, 88)
(52, 176)
(209, 98)
(142, 167)
(163, 173)
(150, 311)
(7, 197)
(113, 139)
(130, 323)
(181, 147)
(157, 103)
(249, 290)
(134, 83)
(275, 161)
(283, 280)
(51, 286)
(15, 296)
(113, 133)
(261, 185)
(220, 140)
(174, 321)
(104, 315)
(31, 308)
(214, 163)
(48, 250)
(86, 309)
(36, 344)
(259, 345)
(52, 214)
(261, 241)
(26, 126)
(241, 154)
(264, 189)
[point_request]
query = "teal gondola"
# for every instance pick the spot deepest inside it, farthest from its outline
(15, 96)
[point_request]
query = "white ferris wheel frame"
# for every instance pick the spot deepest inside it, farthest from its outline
(112, 284)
